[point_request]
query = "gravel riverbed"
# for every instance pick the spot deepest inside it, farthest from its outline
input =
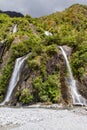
(43, 119)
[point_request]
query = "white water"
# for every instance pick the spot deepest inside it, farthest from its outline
(77, 98)
(15, 28)
(15, 78)
(47, 33)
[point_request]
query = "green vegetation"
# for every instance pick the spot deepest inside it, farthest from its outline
(25, 96)
(5, 77)
(68, 28)
(51, 50)
(79, 60)
(48, 90)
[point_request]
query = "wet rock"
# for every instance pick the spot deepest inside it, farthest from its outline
(2, 47)
(67, 49)
(84, 80)
(51, 64)
(65, 91)
(82, 86)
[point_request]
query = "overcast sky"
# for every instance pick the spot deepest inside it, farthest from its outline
(37, 8)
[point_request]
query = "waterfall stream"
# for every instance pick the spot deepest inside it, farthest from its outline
(15, 78)
(77, 98)
(15, 28)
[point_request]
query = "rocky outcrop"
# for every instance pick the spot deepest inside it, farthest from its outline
(28, 75)
(4, 56)
(82, 86)
(5, 59)
(2, 47)
(67, 49)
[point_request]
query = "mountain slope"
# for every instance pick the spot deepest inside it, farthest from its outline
(12, 13)
(43, 75)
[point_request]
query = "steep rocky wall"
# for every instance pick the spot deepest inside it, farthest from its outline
(53, 64)
(82, 86)
(2, 47)
(65, 90)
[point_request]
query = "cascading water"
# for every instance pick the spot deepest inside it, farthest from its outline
(15, 78)
(47, 33)
(15, 28)
(77, 98)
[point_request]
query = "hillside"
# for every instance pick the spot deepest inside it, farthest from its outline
(43, 75)
(12, 13)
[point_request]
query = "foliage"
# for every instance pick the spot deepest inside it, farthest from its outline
(51, 50)
(5, 77)
(25, 96)
(68, 28)
(79, 60)
(48, 90)
(19, 50)
(33, 64)
(9, 41)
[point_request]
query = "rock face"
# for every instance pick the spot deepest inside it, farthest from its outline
(82, 86)
(67, 49)
(27, 76)
(4, 56)
(2, 47)
(84, 80)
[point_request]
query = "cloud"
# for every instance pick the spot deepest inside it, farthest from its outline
(37, 8)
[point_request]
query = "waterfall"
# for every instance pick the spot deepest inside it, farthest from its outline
(47, 33)
(77, 98)
(15, 78)
(15, 28)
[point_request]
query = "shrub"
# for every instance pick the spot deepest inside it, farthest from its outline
(51, 50)
(5, 77)
(33, 64)
(9, 41)
(79, 59)
(53, 88)
(25, 96)
(19, 50)
(48, 90)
